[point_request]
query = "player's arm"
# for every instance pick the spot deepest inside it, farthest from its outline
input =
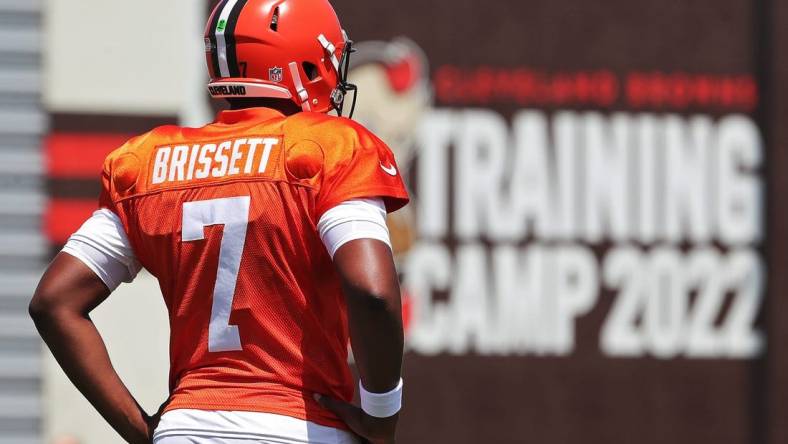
(69, 290)
(365, 265)
(372, 292)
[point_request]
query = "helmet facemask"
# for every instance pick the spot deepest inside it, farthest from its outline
(343, 86)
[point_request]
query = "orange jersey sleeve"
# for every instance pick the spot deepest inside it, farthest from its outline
(363, 168)
(115, 173)
(353, 162)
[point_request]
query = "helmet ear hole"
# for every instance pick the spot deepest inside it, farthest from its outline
(275, 20)
(310, 69)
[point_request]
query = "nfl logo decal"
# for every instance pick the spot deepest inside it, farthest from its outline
(275, 74)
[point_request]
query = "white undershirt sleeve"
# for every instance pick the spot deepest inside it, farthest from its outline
(352, 220)
(102, 245)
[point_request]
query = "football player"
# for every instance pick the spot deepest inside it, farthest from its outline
(266, 231)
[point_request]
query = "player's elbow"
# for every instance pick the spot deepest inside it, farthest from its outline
(374, 299)
(44, 306)
(40, 307)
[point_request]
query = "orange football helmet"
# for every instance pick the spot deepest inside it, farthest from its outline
(281, 49)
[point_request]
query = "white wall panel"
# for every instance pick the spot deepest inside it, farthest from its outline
(22, 247)
(121, 57)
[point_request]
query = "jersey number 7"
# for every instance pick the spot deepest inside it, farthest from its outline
(233, 213)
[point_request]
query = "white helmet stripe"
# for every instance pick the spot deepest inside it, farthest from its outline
(303, 95)
(221, 42)
(330, 49)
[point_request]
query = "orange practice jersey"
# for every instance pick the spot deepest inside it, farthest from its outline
(225, 217)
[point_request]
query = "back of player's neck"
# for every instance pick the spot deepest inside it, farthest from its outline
(285, 107)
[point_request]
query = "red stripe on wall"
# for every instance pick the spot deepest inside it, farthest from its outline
(64, 216)
(79, 155)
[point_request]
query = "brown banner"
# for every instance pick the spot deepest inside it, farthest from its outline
(596, 216)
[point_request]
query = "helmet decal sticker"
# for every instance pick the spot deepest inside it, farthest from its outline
(275, 74)
(221, 26)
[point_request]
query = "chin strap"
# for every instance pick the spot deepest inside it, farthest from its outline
(331, 51)
(303, 95)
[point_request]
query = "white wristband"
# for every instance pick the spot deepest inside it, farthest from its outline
(381, 405)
